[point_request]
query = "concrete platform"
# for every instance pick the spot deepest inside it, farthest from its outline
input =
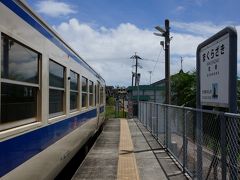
(109, 157)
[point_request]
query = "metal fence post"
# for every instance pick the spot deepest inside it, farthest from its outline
(199, 145)
(148, 112)
(166, 125)
(139, 110)
(146, 108)
(223, 146)
(150, 119)
(157, 120)
(233, 138)
(145, 113)
(153, 118)
(184, 142)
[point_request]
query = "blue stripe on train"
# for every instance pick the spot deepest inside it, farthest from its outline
(14, 152)
(32, 22)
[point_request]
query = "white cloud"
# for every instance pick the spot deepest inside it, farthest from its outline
(108, 50)
(54, 8)
(198, 28)
(180, 9)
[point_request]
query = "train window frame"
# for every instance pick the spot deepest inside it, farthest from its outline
(91, 94)
(98, 93)
(62, 89)
(101, 95)
(95, 94)
(74, 91)
(85, 93)
(8, 81)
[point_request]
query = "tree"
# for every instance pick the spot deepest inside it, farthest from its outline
(183, 87)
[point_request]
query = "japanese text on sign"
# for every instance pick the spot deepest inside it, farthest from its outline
(214, 72)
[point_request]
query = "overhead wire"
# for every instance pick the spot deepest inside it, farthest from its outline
(157, 61)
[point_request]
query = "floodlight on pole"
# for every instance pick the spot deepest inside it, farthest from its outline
(158, 34)
(160, 29)
(162, 44)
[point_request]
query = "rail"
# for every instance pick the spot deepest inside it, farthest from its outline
(206, 150)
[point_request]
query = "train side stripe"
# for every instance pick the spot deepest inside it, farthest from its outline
(15, 151)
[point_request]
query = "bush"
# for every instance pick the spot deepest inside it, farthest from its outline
(111, 101)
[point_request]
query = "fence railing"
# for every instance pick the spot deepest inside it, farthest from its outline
(205, 143)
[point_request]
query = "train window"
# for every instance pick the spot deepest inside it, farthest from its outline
(19, 63)
(56, 88)
(95, 101)
(19, 81)
(101, 95)
(98, 86)
(84, 92)
(74, 90)
(56, 74)
(90, 93)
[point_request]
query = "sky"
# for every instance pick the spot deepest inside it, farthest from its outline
(106, 33)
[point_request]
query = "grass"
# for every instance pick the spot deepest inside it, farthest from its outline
(110, 113)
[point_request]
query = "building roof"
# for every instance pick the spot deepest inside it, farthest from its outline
(145, 87)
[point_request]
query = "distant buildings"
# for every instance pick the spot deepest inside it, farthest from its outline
(154, 92)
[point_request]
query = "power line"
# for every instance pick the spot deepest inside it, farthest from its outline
(157, 60)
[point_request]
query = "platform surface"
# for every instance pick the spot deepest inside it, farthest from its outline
(127, 150)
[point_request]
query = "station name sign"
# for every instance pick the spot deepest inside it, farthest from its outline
(214, 65)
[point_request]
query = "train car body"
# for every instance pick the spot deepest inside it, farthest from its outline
(52, 101)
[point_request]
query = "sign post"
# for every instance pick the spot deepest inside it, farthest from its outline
(217, 87)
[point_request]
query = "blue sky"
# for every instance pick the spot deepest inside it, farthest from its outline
(107, 32)
(148, 13)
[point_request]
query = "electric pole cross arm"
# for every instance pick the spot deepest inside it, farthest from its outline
(136, 57)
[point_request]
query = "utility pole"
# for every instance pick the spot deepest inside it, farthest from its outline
(167, 62)
(181, 70)
(181, 63)
(150, 72)
(166, 34)
(132, 77)
(136, 57)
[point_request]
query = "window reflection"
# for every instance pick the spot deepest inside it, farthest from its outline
(56, 88)
(84, 84)
(55, 101)
(84, 100)
(73, 90)
(18, 102)
(21, 64)
(18, 62)
(90, 93)
(56, 74)
(84, 92)
(101, 95)
(73, 100)
(74, 80)
(90, 87)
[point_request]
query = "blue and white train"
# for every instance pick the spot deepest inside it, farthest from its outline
(52, 101)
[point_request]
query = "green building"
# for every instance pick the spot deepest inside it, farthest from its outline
(154, 92)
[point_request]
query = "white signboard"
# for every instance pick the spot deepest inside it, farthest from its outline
(214, 73)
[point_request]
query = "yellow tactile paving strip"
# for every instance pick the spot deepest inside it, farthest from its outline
(127, 167)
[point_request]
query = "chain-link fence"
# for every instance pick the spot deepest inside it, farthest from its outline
(205, 143)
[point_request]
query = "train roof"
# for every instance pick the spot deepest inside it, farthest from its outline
(73, 53)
